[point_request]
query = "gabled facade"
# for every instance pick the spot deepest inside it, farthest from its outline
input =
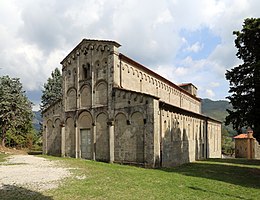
(116, 110)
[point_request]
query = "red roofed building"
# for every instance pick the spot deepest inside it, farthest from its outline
(246, 146)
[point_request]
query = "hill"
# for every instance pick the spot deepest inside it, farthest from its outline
(218, 111)
(215, 109)
(37, 119)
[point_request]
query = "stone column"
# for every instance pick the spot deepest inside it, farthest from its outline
(44, 138)
(76, 142)
(111, 141)
(94, 141)
(63, 139)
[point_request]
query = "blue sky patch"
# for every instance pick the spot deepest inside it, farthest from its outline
(197, 44)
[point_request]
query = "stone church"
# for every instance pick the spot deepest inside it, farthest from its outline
(114, 109)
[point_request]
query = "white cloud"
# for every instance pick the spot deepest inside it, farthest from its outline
(166, 72)
(163, 18)
(214, 84)
(209, 93)
(36, 36)
(36, 107)
(196, 47)
(184, 41)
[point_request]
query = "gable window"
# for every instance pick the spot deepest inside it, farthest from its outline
(86, 71)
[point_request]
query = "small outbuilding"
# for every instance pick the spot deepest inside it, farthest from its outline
(246, 146)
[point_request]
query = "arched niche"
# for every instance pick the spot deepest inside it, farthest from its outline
(101, 93)
(49, 137)
(101, 69)
(70, 137)
(102, 138)
(137, 127)
(71, 102)
(85, 96)
(49, 127)
(121, 129)
(56, 150)
(85, 120)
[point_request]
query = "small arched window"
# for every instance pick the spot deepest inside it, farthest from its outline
(86, 71)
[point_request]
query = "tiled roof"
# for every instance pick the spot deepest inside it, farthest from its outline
(249, 134)
(241, 136)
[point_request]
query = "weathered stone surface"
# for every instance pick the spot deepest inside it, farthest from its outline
(116, 110)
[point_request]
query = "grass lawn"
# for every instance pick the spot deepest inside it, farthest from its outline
(2, 157)
(211, 179)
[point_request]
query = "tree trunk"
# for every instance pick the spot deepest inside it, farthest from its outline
(3, 142)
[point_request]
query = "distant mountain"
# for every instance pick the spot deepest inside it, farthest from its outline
(37, 120)
(218, 111)
(215, 109)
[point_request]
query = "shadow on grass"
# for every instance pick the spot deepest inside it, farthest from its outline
(35, 153)
(10, 192)
(240, 161)
(215, 192)
(234, 171)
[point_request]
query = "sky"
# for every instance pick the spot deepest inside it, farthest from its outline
(182, 40)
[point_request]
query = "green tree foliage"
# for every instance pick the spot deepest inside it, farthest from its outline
(227, 143)
(52, 90)
(15, 109)
(245, 79)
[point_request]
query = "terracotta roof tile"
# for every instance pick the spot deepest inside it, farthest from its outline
(241, 136)
(249, 134)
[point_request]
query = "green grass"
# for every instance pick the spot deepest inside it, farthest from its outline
(211, 179)
(3, 157)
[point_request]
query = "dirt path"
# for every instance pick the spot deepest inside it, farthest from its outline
(31, 172)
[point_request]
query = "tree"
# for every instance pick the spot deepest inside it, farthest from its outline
(245, 79)
(52, 91)
(227, 144)
(15, 108)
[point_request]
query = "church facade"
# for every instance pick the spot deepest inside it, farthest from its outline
(116, 110)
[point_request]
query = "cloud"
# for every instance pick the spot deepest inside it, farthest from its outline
(196, 47)
(36, 36)
(214, 84)
(209, 93)
(204, 74)
(163, 18)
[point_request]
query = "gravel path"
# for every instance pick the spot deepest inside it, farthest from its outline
(31, 172)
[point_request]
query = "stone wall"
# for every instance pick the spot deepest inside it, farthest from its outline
(70, 137)
(185, 136)
(52, 129)
(178, 141)
(132, 76)
(134, 127)
(214, 139)
(241, 148)
(116, 110)
(256, 150)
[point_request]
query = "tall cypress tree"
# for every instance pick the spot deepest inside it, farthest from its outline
(245, 79)
(52, 90)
